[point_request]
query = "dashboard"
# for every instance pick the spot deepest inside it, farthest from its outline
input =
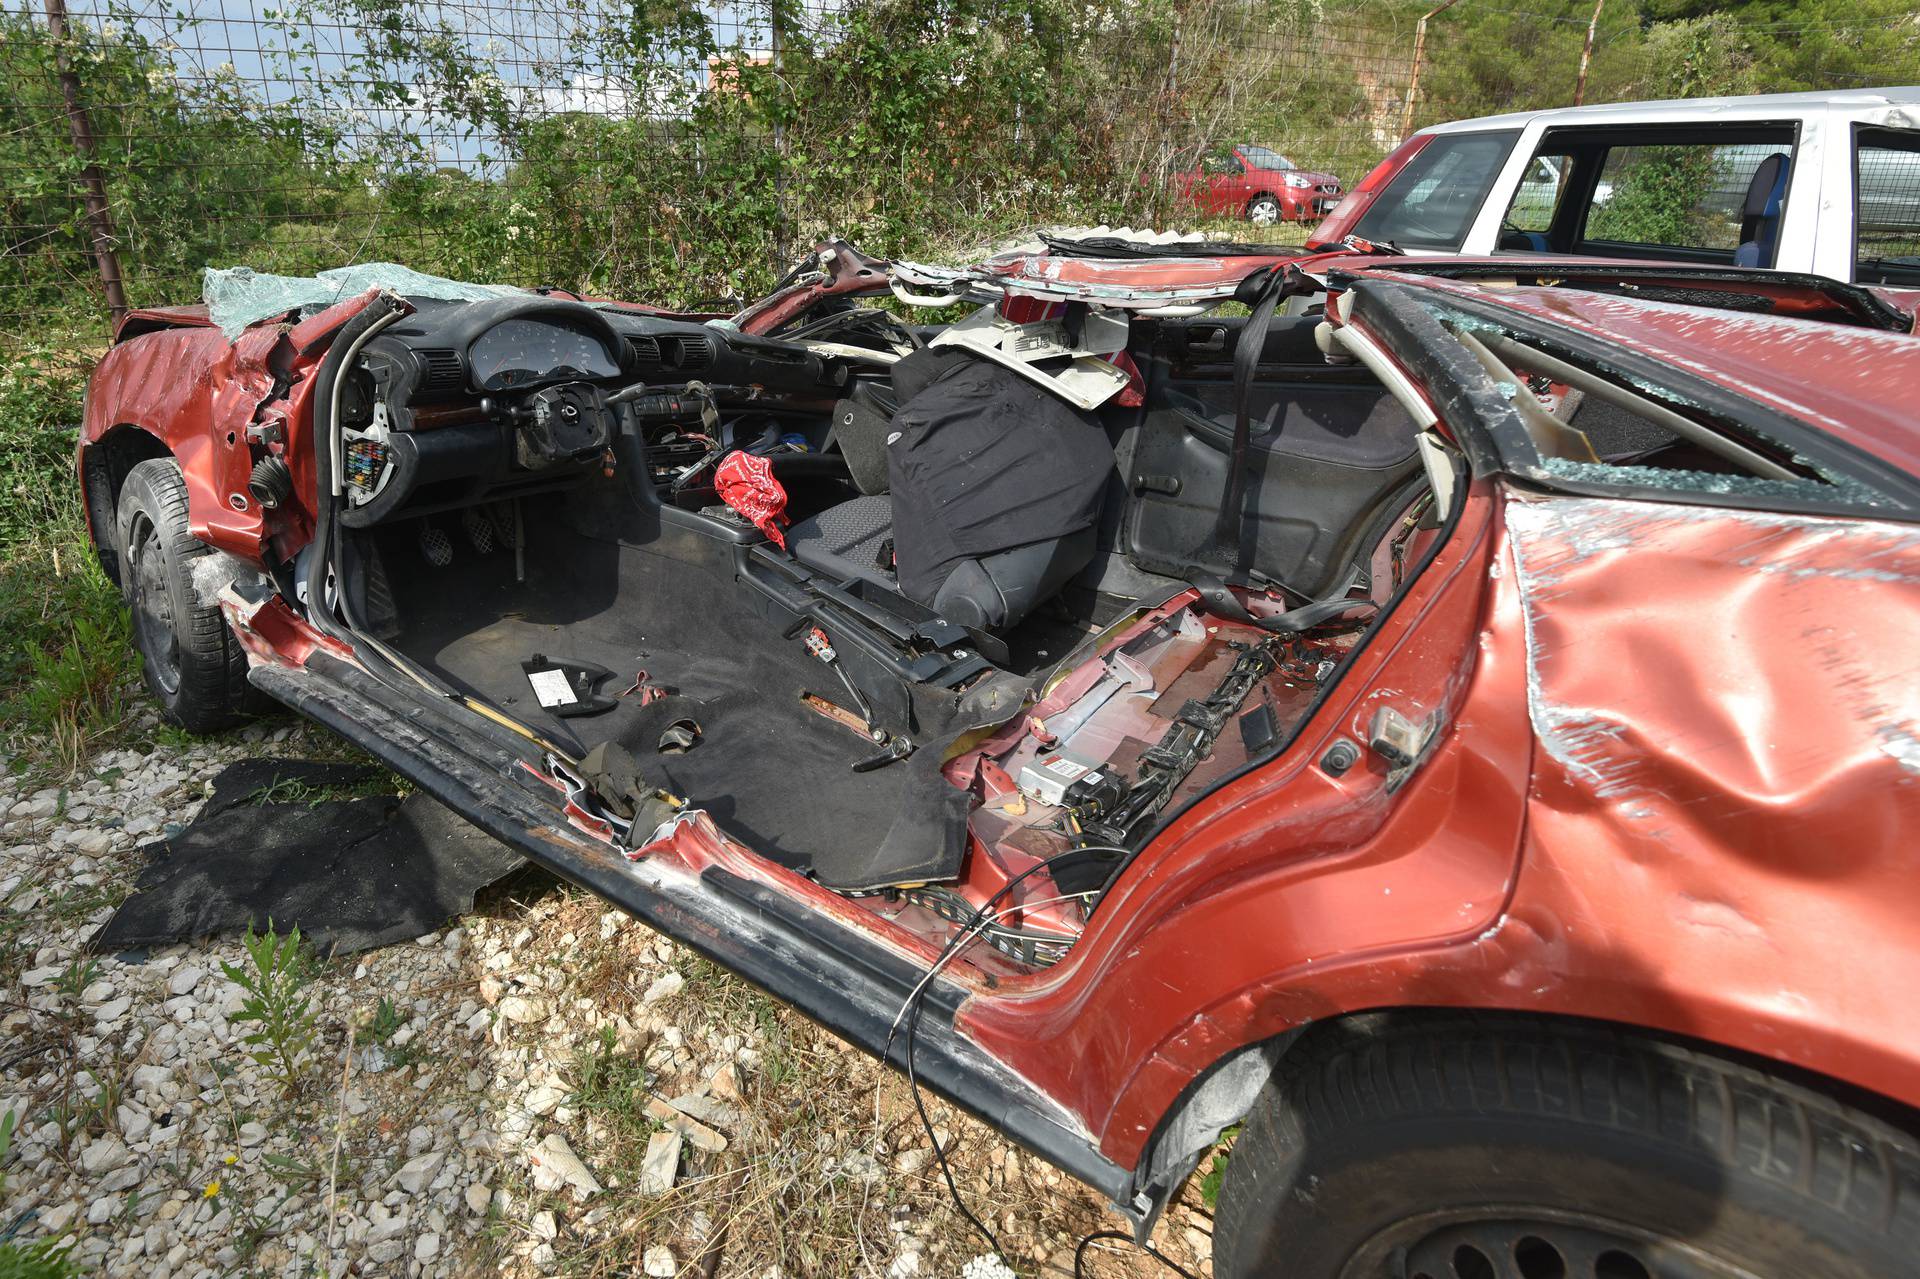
(519, 353)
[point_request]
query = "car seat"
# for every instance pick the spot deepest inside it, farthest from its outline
(993, 488)
(1760, 214)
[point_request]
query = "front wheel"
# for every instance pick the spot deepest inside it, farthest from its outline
(1263, 210)
(190, 660)
(1426, 1148)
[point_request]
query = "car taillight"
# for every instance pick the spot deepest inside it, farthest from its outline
(1346, 215)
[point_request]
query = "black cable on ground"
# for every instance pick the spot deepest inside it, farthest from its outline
(1080, 1253)
(916, 1000)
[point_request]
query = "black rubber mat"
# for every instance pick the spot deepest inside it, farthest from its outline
(277, 841)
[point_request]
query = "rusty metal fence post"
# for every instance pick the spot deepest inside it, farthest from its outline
(1413, 72)
(93, 186)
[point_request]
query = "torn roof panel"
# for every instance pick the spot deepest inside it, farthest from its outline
(239, 296)
(1858, 384)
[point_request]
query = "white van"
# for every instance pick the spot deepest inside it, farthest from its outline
(1818, 182)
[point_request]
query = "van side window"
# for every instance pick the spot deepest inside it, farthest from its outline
(1530, 215)
(1886, 237)
(1710, 202)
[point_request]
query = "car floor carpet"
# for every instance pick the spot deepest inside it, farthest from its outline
(276, 842)
(770, 772)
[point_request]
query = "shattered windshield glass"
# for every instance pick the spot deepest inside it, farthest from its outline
(239, 296)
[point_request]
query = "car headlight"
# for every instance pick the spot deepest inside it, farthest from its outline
(1295, 180)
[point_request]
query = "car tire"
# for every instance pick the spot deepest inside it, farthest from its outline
(190, 660)
(1451, 1148)
(1263, 210)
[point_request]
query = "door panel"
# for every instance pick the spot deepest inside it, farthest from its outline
(1332, 455)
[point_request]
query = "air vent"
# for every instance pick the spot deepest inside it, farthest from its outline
(689, 352)
(442, 372)
(644, 349)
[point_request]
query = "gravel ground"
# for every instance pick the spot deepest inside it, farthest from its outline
(545, 1087)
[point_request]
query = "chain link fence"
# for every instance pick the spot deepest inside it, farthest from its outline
(684, 152)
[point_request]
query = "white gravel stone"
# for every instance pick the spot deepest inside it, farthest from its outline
(103, 1155)
(185, 979)
(556, 1167)
(517, 1008)
(478, 1197)
(664, 986)
(417, 1173)
(661, 1164)
(659, 1262)
(544, 1099)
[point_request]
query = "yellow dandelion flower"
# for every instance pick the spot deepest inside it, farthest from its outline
(213, 1188)
(232, 1160)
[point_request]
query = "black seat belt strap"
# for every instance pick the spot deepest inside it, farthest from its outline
(1262, 291)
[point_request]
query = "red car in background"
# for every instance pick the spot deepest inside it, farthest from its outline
(1456, 719)
(1258, 184)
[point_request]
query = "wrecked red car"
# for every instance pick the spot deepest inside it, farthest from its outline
(1456, 720)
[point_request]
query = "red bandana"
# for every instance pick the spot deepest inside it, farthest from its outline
(746, 483)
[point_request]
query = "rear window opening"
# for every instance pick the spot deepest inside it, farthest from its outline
(1592, 426)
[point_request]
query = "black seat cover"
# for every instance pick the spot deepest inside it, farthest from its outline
(995, 487)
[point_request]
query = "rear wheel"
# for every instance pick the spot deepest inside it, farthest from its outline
(190, 660)
(1263, 210)
(1420, 1148)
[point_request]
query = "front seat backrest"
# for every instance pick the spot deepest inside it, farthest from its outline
(1760, 214)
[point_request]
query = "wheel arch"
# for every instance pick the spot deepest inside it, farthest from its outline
(103, 464)
(1226, 1092)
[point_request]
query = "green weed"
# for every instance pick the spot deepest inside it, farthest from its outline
(81, 972)
(42, 1259)
(8, 1122)
(1217, 1171)
(291, 790)
(276, 979)
(67, 668)
(387, 1020)
(78, 1112)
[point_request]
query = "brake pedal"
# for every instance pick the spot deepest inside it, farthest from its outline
(479, 529)
(436, 546)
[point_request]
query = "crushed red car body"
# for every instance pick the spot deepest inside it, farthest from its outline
(1557, 662)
